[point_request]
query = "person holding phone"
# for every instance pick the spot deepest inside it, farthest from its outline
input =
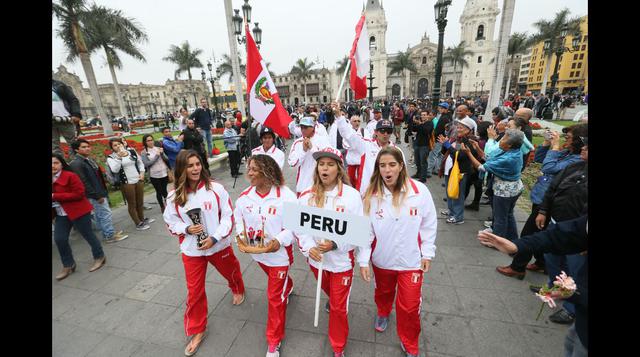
(157, 163)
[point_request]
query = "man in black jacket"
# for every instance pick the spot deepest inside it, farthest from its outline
(439, 123)
(65, 113)
(203, 118)
(193, 140)
(423, 127)
(95, 189)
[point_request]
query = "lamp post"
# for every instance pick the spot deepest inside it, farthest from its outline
(441, 19)
(213, 87)
(372, 48)
(559, 51)
(475, 89)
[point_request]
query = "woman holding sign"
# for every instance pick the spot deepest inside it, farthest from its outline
(259, 223)
(403, 221)
(331, 191)
(200, 214)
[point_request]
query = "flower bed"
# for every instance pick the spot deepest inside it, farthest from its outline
(536, 126)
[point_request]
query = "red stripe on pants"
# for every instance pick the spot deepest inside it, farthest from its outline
(195, 269)
(352, 171)
(408, 302)
(334, 286)
(279, 287)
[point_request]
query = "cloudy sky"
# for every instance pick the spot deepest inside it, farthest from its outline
(292, 29)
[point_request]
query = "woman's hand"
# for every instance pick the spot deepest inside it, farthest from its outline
(475, 144)
(206, 244)
(555, 140)
(442, 139)
(425, 264)
(465, 149)
(315, 254)
(242, 246)
(325, 245)
(306, 144)
(123, 153)
(141, 177)
(161, 150)
(491, 132)
(540, 220)
(365, 273)
(272, 246)
(195, 229)
(502, 244)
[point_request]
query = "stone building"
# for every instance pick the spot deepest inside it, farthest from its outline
(320, 87)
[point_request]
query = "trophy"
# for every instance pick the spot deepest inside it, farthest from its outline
(196, 218)
(253, 238)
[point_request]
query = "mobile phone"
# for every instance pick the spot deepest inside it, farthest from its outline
(547, 134)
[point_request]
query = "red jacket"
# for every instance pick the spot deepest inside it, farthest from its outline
(68, 190)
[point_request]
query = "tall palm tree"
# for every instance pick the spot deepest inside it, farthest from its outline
(227, 69)
(518, 44)
(72, 15)
(185, 57)
(111, 31)
(550, 30)
(302, 70)
(402, 64)
(456, 55)
(342, 65)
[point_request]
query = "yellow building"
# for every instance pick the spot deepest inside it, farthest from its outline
(573, 69)
(227, 98)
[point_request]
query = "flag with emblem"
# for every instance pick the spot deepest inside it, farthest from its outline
(360, 56)
(415, 278)
(264, 101)
(413, 211)
(340, 208)
(272, 210)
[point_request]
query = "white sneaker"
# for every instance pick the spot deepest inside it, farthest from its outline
(273, 351)
(149, 220)
(142, 226)
(445, 212)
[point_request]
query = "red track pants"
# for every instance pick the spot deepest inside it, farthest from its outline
(352, 171)
(338, 287)
(408, 302)
(279, 287)
(195, 269)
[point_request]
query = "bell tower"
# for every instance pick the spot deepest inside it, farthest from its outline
(376, 24)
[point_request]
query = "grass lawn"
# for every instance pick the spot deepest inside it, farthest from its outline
(564, 123)
(116, 199)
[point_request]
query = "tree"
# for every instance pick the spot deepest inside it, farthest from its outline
(111, 31)
(550, 30)
(342, 65)
(457, 56)
(402, 64)
(185, 57)
(302, 70)
(227, 69)
(518, 44)
(73, 14)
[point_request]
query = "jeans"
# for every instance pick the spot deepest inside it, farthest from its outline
(421, 161)
(160, 185)
(207, 135)
(504, 222)
(61, 237)
(570, 264)
(102, 214)
(572, 345)
(416, 155)
(456, 207)
(435, 158)
(520, 260)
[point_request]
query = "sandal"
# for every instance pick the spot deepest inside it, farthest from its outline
(186, 349)
(241, 301)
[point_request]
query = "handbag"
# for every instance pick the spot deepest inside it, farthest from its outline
(453, 187)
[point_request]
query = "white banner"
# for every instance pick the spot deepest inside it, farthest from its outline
(339, 227)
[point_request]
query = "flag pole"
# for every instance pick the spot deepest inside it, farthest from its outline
(318, 292)
(344, 76)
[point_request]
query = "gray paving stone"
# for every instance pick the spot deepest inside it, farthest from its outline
(544, 341)
(254, 277)
(300, 313)
(152, 262)
(61, 333)
(440, 299)
(523, 308)
(495, 338)
(352, 349)
(390, 351)
(119, 311)
(172, 246)
(115, 346)
(302, 344)
(174, 293)
(125, 258)
(216, 295)
(222, 333)
(67, 299)
(437, 332)
(238, 312)
(150, 350)
(144, 322)
(251, 341)
(78, 343)
(472, 276)
(173, 268)
(361, 291)
(101, 277)
(438, 274)
(361, 323)
(170, 333)
(123, 283)
(144, 240)
(471, 256)
(148, 287)
(82, 313)
(483, 303)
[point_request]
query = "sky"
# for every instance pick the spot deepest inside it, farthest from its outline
(321, 30)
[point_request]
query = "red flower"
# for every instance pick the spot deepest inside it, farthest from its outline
(215, 151)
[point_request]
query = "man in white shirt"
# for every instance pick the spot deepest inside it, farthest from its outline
(301, 154)
(268, 147)
(369, 132)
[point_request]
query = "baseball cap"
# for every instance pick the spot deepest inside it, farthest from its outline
(266, 130)
(444, 105)
(328, 152)
(384, 124)
(307, 121)
(468, 122)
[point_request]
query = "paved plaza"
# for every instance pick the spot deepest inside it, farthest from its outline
(134, 305)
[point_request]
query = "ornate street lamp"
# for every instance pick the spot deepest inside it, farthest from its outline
(440, 7)
(475, 89)
(481, 87)
(372, 48)
(559, 50)
(212, 81)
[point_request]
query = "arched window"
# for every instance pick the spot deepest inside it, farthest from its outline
(477, 74)
(372, 41)
(479, 59)
(480, 35)
(424, 60)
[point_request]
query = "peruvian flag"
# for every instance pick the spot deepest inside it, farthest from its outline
(264, 101)
(360, 60)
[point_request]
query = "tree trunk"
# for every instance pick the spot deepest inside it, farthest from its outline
(501, 57)
(543, 88)
(453, 84)
(305, 93)
(509, 69)
(116, 86)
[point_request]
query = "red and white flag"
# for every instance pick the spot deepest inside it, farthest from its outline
(264, 102)
(360, 58)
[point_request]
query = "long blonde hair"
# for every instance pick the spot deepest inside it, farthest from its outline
(317, 190)
(180, 174)
(376, 184)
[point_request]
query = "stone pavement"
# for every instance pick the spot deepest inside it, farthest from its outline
(134, 305)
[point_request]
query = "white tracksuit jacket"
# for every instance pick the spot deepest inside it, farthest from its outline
(320, 130)
(406, 235)
(367, 148)
(304, 161)
(251, 208)
(217, 216)
(342, 259)
(274, 152)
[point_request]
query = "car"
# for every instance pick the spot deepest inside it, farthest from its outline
(93, 122)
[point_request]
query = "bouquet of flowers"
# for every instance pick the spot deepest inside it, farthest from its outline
(563, 288)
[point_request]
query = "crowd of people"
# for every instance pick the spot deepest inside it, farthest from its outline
(346, 161)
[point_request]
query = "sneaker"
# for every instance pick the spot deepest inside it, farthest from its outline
(273, 350)
(452, 220)
(562, 317)
(116, 238)
(488, 224)
(149, 220)
(445, 212)
(327, 307)
(142, 226)
(405, 351)
(147, 207)
(381, 323)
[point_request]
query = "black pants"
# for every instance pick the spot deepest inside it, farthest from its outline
(520, 260)
(234, 161)
(476, 182)
(160, 185)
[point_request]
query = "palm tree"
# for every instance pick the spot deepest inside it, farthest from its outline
(184, 57)
(342, 65)
(110, 30)
(457, 56)
(227, 69)
(550, 30)
(72, 15)
(402, 64)
(518, 44)
(302, 70)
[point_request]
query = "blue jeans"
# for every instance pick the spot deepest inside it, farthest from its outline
(102, 214)
(61, 237)
(573, 347)
(504, 222)
(456, 207)
(435, 158)
(570, 264)
(421, 161)
(206, 133)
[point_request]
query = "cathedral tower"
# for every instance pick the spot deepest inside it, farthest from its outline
(377, 29)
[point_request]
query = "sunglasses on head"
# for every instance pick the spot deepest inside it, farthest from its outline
(386, 131)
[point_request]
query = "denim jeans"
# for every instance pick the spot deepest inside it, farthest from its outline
(421, 161)
(61, 237)
(456, 207)
(102, 215)
(504, 222)
(570, 264)
(207, 136)
(573, 347)
(435, 158)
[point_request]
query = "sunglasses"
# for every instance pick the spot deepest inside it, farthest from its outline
(385, 131)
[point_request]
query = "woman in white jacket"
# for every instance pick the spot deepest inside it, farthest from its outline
(403, 221)
(331, 191)
(259, 214)
(196, 190)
